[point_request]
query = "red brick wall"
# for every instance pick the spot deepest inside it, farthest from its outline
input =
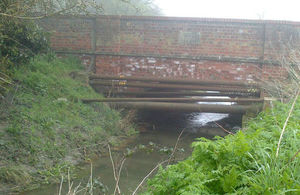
(164, 67)
(175, 47)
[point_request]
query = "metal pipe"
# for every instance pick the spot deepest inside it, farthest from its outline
(191, 99)
(184, 107)
(172, 86)
(176, 93)
(175, 81)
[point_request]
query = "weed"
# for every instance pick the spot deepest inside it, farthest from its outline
(49, 129)
(244, 163)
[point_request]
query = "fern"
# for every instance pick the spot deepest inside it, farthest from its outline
(243, 163)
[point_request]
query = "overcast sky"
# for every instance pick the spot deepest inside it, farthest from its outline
(246, 9)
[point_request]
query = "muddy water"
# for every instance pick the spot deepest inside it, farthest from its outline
(150, 147)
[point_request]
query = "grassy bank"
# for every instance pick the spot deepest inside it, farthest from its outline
(244, 163)
(45, 129)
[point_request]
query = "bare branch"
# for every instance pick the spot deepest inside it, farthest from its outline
(43, 16)
(137, 188)
(286, 121)
(118, 178)
(175, 147)
(223, 128)
(296, 154)
(113, 166)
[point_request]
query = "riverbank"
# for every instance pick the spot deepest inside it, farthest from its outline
(45, 129)
(244, 163)
(143, 151)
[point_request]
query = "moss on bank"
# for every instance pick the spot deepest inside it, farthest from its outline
(244, 163)
(45, 129)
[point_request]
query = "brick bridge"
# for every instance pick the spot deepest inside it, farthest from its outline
(199, 48)
(169, 51)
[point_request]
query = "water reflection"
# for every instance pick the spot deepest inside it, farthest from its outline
(202, 119)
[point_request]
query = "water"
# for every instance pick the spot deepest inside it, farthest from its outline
(151, 146)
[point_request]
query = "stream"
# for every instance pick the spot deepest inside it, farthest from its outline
(152, 145)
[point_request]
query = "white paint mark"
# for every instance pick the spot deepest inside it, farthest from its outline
(152, 61)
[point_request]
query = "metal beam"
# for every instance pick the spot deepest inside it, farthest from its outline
(175, 81)
(176, 93)
(172, 86)
(184, 107)
(191, 99)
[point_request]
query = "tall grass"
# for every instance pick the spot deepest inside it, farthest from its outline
(285, 87)
(48, 128)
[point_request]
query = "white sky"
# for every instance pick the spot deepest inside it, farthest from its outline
(245, 9)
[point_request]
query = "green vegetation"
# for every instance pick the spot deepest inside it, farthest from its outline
(244, 163)
(21, 38)
(19, 42)
(44, 128)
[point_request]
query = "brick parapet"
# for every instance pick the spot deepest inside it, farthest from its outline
(203, 42)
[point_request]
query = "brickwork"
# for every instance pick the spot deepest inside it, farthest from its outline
(164, 67)
(198, 48)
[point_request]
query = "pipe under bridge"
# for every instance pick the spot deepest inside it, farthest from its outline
(184, 95)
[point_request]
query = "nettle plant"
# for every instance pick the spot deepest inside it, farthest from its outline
(244, 163)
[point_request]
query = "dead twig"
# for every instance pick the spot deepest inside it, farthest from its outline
(73, 190)
(286, 121)
(159, 164)
(91, 179)
(294, 157)
(69, 182)
(229, 132)
(113, 166)
(118, 178)
(175, 147)
(61, 184)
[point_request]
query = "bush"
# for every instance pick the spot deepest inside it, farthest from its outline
(244, 163)
(20, 40)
